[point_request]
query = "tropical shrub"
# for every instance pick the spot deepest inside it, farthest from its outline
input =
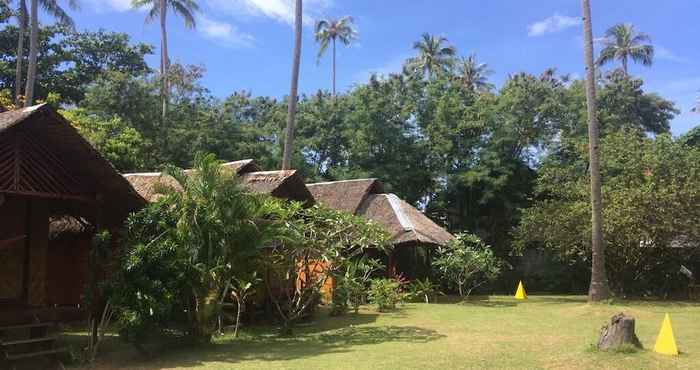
(466, 263)
(386, 293)
(351, 287)
(424, 290)
(184, 250)
(325, 242)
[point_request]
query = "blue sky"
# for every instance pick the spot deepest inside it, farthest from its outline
(247, 44)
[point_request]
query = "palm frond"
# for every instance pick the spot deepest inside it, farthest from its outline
(643, 54)
(143, 3)
(320, 26)
(622, 42)
(52, 7)
(322, 48)
(607, 55)
(186, 10)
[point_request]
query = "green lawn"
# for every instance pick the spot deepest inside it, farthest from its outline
(552, 332)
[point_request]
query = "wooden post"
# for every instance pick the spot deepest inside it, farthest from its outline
(391, 265)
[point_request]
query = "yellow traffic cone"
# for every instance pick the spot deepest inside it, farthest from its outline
(665, 342)
(520, 293)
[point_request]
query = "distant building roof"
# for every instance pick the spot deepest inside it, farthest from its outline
(366, 197)
(280, 184)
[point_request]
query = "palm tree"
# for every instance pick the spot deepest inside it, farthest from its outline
(22, 30)
(623, 42)
(328, 30)
(599, 289)
(433, 55)
(474, 75)
(292, 104)
(51, 7)
(159, 9)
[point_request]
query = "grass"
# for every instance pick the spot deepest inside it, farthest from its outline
(547, 332)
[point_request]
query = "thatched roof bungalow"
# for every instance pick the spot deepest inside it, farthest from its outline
(413, 234)
(280, 184)
(51, 178)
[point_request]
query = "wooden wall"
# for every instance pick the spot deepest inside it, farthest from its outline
(68, 270)
(13, 217)
(23, 262)
(38, 249)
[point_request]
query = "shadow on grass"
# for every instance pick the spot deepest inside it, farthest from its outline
(479, 301)
(576, 299)
(334, 335)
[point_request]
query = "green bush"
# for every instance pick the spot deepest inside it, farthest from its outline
(351, 288)
(385, 294)
(181, 252)
(467, 263)
(423, 290)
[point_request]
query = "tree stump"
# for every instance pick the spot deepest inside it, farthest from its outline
(619, 332)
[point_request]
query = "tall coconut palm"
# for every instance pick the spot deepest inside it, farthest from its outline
(622, 42)
(292, 104)
(51, 7)
(599, 289)
(159, 9)
(22, 30)
(474, 75)
(330, 30)
(433, 55)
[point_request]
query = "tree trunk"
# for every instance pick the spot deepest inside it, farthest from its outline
(33, 51)
(619, 332)
(164, 59)
(292, 108)
(22, 26)
(624, 66)
(238, 317)
(599, 289)
(334, 68)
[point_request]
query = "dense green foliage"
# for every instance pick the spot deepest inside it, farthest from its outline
(466, 263)
(423, 290)
(470, 154)
(327, 245)
(69, 61)
(351, 286)
(182, 251)
(386, 294)
(650, 209)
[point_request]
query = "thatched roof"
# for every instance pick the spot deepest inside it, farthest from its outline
(280, 184)
(58, 164)
(243, 166)
(146, 184)
(63, 226)
(345, 195)
(404, 222)
(366, 197)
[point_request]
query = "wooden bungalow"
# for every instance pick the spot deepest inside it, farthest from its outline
(55, 190)
(280, 184)
(413, 234)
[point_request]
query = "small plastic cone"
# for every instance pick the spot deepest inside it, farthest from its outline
(665, 342)
(520, 293)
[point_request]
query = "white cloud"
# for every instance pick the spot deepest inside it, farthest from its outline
(108, 5)
(223, 32)
(278, 10)
(666, 54)
(552, 24)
